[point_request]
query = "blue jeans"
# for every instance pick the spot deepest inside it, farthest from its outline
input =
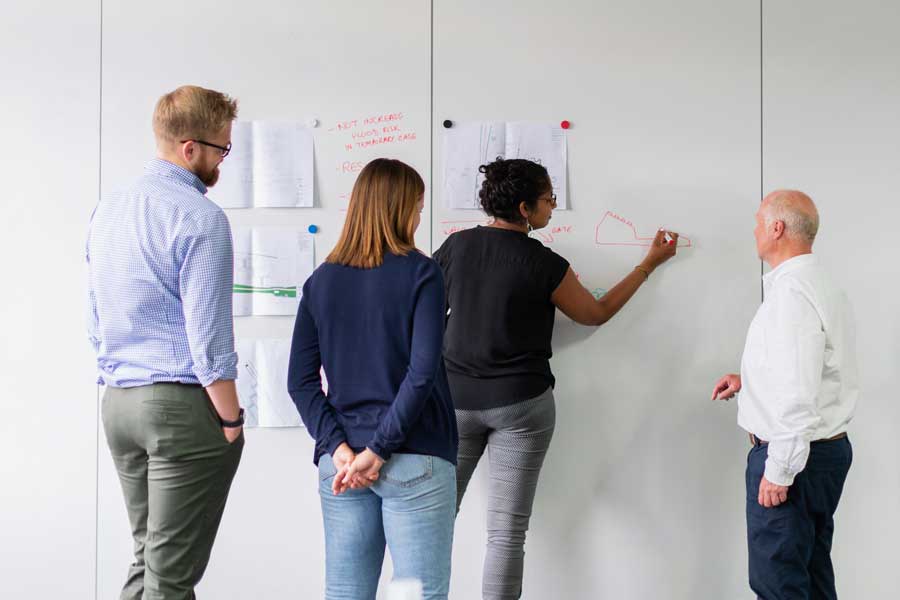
(790, 544)
(411, 507)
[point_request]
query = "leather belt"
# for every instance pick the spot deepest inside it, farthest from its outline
(758, 442)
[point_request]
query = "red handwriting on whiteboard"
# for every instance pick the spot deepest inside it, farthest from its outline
(363, 133)
(449, 227)
(348, 166)
(549, 235)
(373, 131)
(615, 230)
(384, 118)
(377, 141)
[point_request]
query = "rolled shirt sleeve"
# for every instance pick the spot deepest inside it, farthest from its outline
(795, 349)
(206, 280)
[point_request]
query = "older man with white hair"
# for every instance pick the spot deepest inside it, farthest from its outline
(798, 391)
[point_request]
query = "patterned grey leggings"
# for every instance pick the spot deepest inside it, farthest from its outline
(517, 437)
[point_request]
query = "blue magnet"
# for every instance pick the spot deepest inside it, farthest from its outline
(313, 229)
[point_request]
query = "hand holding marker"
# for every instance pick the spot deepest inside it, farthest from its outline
(662, 248)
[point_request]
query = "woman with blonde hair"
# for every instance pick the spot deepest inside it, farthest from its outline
(373, 316)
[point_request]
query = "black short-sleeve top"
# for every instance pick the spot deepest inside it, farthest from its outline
(497, 344)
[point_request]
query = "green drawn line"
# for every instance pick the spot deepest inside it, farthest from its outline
(281, 292)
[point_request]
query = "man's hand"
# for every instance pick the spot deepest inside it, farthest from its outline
(232, 433)
(342, 458)
(364, 470)
(223, 396)
(771, 495)
(727, 387)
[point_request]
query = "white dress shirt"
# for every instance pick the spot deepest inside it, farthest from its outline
(798, 372)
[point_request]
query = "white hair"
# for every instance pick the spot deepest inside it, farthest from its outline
(798, 223)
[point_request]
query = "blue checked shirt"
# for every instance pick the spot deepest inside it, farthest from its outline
(160, 270)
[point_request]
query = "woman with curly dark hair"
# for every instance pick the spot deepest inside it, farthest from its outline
(503, 289)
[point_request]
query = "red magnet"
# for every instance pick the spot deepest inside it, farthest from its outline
(565, 124)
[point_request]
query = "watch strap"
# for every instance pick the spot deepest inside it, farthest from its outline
(239, 422)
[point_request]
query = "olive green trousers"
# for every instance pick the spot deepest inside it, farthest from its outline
(176, 468)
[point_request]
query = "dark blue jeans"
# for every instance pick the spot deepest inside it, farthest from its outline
(790, 544)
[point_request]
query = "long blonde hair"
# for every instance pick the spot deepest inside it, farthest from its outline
(381, 216)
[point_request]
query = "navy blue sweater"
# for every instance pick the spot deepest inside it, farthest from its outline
(378, 334)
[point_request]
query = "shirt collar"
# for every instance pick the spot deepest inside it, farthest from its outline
(791, 264)
(164, 168)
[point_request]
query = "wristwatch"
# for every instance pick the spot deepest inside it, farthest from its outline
(239, 422)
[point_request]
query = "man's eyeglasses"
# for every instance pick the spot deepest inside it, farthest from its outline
(223, 149)
(552, 199)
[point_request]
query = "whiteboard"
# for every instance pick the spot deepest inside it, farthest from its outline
(642, 489)
(642, 493)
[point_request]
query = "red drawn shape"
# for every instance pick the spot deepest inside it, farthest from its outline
(615, 230)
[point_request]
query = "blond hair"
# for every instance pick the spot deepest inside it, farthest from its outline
(191, 112)
(381, 216)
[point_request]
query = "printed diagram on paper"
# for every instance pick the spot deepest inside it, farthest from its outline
(270, 165)
(270, 267)
(469, 145)
(262, 383)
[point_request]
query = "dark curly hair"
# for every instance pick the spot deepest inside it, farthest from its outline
(507, 183)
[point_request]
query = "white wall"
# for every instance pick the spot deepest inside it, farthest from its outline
(49, 162)
(642, 494)
(832, 125)
(642, 489)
